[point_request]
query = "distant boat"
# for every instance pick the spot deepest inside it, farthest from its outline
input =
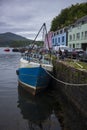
(7, 49)
(15, 50)
(34, 71)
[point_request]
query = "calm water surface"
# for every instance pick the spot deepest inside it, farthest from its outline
(18, 109)
(21, 111)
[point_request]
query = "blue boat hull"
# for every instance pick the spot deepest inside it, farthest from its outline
(33, 79)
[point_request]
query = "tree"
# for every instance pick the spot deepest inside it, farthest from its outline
(68, 16)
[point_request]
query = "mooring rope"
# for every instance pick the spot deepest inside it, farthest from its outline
(65, 83)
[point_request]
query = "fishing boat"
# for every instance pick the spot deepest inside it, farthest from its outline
(34, 71)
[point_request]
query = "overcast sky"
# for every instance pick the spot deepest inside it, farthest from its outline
(25, 17)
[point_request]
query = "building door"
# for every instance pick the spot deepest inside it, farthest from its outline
(84, 46)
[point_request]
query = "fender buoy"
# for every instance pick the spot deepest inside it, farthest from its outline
(17, 72)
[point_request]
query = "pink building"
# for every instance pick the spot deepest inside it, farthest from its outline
(48, 42)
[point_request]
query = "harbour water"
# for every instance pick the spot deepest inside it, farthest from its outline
(19, 110)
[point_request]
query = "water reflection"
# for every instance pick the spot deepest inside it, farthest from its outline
(38, 110)
(50, 110)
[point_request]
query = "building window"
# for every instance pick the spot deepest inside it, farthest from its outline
(78, 35)
(54, 34)
(70, 45)
(61, 31)
(82, 35)
(70, 37)
(63, 39)
(59, 40)
(57, 32)
(65, 30)
(55, 40)
(73, 36)
(85, 34)
(77, 45)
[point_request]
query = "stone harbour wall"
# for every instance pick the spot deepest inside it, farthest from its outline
(77, 94)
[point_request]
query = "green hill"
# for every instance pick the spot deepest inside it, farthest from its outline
(11, 39)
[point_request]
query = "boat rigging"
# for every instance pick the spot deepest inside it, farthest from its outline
(45, 35)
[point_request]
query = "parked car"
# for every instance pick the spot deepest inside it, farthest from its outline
(77, 53)
(68, 52)
(84, 57)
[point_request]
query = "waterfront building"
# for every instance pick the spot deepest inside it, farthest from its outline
(59, 37)
(77, 34)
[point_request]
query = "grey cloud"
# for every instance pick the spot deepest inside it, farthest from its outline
(26, 16)
(3, 24)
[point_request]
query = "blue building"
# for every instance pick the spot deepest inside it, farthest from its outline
(59, 37)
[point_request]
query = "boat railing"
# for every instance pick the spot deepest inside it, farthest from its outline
(37, 58)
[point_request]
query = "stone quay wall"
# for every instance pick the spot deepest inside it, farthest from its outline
(77, 94)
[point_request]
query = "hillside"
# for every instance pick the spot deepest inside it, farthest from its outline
(68, 16)
(9, 39)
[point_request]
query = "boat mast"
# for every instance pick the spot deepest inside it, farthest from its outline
(37, 36)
